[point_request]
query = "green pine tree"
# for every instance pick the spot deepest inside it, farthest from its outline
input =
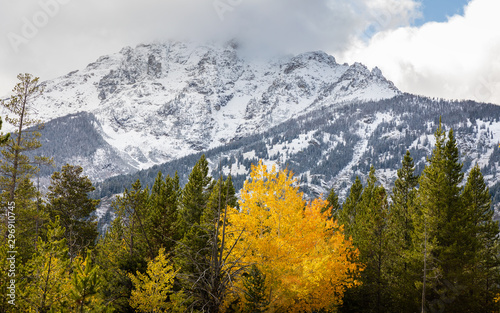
(482, 235)
(348, 215)
(32, 218)
(15, 164)
(68, 198)
(202, 272)
(16, 168)
(405, 269)
(403, 198)
(191, 251)
(369, 231)
(256, 293)
(163, 213)
(444, 229)
(131, 209)
(195, 195)
(86, 282)
(45, 276)
(333, 206)
(432, 203)
(115, 262)
(126, 246)
(374, 243)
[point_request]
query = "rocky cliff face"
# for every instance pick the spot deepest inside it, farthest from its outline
(158, 102)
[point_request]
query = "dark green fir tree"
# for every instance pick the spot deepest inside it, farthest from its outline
(333, 206)
(256, 293)
(69, 199)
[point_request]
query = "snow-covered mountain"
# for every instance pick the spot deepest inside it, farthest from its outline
(330, 146)
(155, 103)
(159, 106)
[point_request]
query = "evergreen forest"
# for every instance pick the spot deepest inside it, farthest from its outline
(428, 245)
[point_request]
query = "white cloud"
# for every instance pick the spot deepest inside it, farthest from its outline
(49, 38)
(457, 59)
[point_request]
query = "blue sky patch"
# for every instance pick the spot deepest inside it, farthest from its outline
(440, 10)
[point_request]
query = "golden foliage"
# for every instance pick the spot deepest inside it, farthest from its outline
(151, 290)
(307, 261)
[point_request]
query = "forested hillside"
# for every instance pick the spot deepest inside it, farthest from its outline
(330, 147)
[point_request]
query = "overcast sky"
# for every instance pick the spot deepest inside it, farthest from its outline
(439, 48)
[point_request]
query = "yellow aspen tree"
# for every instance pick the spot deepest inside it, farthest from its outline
(152, 289)
(306, 259)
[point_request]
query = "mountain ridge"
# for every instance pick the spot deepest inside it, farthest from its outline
(157, 102)
(330, 147)
(159, 106)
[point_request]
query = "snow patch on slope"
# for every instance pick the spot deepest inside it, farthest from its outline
(158, 102)
(365, 130)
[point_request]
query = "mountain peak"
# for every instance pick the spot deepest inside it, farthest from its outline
(159, 101)
(318, 56)
(377, 72)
